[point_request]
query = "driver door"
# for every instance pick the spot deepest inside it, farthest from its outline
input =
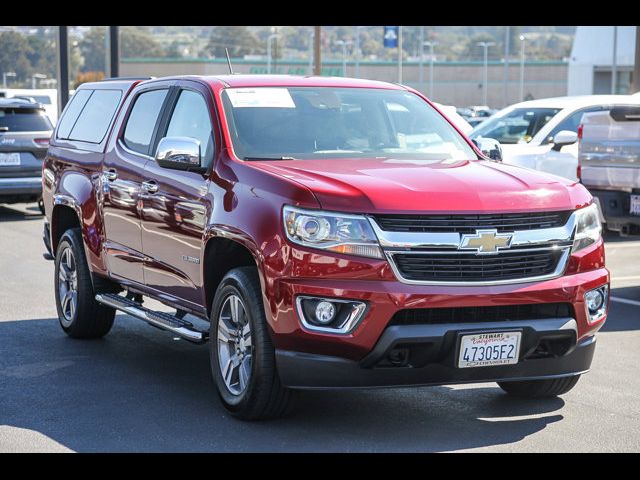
(176, 204)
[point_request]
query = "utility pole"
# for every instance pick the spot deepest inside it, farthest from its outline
(317, 69)
(636, 68)
(507, 54)
(614, 66)
(63, 68)
(485, 78)
(114, 51)
(269, 38)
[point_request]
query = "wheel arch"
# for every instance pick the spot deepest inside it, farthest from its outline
(221, 255)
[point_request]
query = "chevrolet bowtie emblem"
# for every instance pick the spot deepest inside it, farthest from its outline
(485, 241)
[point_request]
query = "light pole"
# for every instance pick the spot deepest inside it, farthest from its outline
(269, 38)
(431, 60)
(420, 72)
(358, 51)
(522, 39)
(4, 77)
(34, 77)
(344, 54)
(485, 78)
(614, 66)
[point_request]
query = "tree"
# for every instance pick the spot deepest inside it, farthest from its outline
(239, 40)
(14, 55)
(92, 48)
(136, 42)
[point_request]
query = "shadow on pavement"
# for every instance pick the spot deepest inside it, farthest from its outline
(8, 214)
(139, 390)
(623, 316)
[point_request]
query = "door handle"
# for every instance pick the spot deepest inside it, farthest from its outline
(110, 175)
(150, 186)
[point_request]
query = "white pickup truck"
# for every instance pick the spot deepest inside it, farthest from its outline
(609, 159)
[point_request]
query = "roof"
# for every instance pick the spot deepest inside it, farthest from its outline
(15, 102)
(297, 81)
(576, 101)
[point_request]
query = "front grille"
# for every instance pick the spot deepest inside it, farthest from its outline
(500, 313)
(469, 267)
(507, 222)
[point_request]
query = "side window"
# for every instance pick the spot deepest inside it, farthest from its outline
(71, 113)
(142, 120)
(571, 122)
(95, 118)
(190, 118)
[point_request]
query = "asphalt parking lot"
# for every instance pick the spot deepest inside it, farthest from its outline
(138, 389)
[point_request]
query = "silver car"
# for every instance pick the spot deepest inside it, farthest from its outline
(24, 137)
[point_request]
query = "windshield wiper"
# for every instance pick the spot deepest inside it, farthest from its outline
(258, 159)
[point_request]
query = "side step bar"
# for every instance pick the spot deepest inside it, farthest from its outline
(161, 320)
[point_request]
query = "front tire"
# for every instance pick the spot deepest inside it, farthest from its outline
(540, 388)
(79, 314)
(242, 357)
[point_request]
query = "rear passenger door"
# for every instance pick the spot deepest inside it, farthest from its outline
(175, 213)
(123, 174)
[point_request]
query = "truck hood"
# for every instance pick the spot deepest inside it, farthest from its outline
(400, 185)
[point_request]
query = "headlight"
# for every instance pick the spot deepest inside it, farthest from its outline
(588, 227)
(340, 233)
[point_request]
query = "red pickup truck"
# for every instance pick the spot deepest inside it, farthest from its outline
(331, 232)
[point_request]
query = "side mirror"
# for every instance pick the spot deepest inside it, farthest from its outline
(179, 153)
(489, 147)
(564, 137)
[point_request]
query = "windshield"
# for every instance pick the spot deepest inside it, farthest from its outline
(519, 125)
(320, 122)
(23, 120)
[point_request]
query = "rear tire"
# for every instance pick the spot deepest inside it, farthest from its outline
(540, 388)
(79, 314)
(248, 383)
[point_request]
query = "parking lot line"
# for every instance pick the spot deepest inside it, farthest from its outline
(625, 300)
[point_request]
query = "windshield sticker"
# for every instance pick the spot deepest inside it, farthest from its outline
(260, 98)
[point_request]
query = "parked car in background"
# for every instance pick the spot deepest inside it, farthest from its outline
(609, 158)
(47, 97)
(451, 113)
(24, 137)
(543, 134)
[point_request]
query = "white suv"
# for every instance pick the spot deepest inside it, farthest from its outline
(542, 134)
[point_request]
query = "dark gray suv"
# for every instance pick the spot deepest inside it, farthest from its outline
(24, 137)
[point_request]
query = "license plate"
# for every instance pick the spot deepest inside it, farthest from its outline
(9, 159)
(487, 349)
(635, 205)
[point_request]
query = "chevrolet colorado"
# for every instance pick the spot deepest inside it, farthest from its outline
(331, 232)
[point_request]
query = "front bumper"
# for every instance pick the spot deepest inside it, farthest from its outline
(20, 186)
(312, 371)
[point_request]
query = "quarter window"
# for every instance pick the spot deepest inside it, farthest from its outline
(142, 120)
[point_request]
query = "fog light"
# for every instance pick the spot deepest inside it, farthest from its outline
(329, 315)
(325, 312)
(596, 303)
(594, 300)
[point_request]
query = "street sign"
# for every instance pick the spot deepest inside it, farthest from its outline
(391, 37)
